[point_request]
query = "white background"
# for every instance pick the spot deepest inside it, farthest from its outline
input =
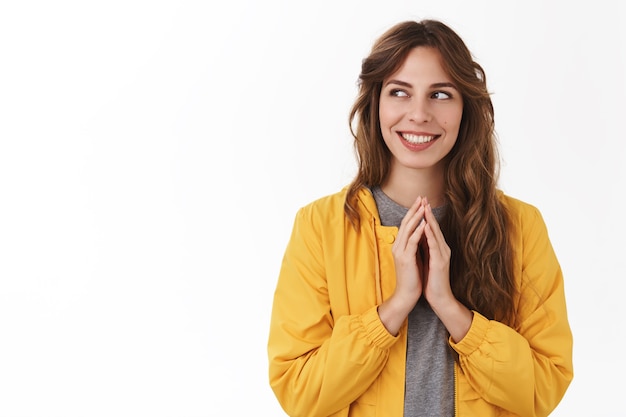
(153, 155)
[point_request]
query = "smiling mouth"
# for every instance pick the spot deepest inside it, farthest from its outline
(418, 139)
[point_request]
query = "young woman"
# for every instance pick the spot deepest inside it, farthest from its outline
(420, 288)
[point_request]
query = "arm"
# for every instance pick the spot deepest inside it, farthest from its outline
(525, 370)
(318, 363)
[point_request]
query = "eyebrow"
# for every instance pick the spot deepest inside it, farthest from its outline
(408, 85)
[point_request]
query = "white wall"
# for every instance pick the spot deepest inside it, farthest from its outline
(153, 155)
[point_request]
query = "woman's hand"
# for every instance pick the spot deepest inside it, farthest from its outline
(436, 282)
(408, 265)
(422, 260)
(436, 253)
(405, 254)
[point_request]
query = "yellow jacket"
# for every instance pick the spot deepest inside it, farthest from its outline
(330, 355)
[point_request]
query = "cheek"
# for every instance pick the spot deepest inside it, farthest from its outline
(383, 116)
(388, 114)
(453, 119)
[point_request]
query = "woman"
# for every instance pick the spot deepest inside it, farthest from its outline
(420, 289)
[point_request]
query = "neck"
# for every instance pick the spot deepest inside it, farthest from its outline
(404, 187)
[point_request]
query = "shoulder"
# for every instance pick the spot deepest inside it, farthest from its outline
(331, 208)
(526, 219)
(328, 204)
(519, 211)
(323, 210)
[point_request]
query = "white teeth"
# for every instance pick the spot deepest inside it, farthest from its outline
(417, 139)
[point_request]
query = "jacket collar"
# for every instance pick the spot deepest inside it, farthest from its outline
(367, 205)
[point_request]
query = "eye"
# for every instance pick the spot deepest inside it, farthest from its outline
(396, 92)
(441, 95)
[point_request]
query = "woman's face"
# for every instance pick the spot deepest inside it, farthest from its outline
(420, 112)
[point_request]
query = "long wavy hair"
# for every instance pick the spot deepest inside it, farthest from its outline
(476, 224)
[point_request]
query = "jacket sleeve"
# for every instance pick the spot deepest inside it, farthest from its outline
(318, 364)
(528, 369)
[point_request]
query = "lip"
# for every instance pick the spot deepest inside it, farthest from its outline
(417, 146)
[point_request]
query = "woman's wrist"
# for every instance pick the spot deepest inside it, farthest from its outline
(394, 311)
(455, 317)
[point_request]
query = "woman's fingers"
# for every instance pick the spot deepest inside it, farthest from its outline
(415, 237)
(434, 225)
(408, 266)
(438, 281)
(411, 220)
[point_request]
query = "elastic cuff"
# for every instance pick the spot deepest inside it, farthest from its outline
(474, 337)
(376, 332)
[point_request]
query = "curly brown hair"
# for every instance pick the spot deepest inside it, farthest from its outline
(476, 224)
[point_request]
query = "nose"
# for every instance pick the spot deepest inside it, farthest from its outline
(420, 111)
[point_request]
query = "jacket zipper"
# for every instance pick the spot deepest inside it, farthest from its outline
(456, 395)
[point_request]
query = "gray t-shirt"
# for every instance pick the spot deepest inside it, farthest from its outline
(429, 386)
